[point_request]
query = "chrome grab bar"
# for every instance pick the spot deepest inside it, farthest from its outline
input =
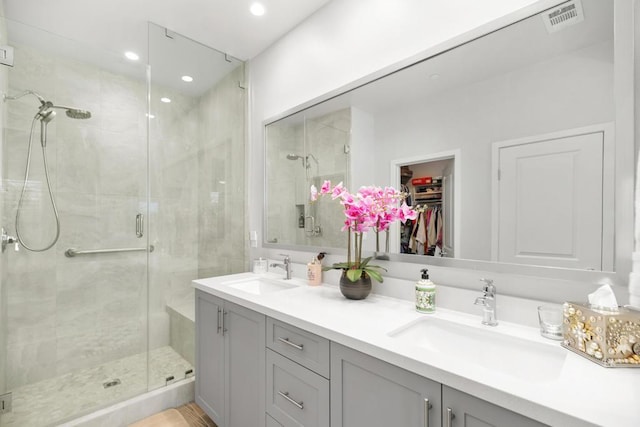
(71, 252)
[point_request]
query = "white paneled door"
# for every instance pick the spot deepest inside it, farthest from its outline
(550, 202)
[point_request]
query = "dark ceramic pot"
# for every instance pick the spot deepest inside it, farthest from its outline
(355, 290)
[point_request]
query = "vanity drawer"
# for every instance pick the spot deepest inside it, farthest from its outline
(296, 396)
(301, 346)
(271, 422)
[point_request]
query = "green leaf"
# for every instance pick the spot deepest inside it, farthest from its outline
(365, 261)
(342, 265)
(354, 274)
(376, 266)
(375, 275)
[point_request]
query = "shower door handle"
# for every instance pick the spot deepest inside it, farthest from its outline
(139, 225)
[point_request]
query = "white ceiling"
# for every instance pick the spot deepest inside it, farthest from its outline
(120, 25)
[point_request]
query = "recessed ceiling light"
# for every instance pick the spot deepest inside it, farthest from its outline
(257, 9)
(132, 56)
(165, 100)
(187, 79)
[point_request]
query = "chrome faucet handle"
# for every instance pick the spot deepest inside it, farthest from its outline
(287, 265)
(287, 258)
(488, 286)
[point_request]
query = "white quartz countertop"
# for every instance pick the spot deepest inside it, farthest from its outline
(576, 393)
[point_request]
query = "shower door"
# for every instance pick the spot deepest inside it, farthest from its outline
(147, 172)
(73, 316)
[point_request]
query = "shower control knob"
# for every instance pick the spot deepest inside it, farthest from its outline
(7, 240)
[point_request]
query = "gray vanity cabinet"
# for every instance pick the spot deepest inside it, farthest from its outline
(367, 392)
(257, 372)
(462, 410)
(230, 365)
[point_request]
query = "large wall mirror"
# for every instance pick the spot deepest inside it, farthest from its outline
(509, 138)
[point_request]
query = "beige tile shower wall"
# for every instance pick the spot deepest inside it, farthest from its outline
(197, 211)
(326, 139)
(323, 138)
(223, 209)
(286, 179)
(173, 223)
(3, 266)
(64, 313)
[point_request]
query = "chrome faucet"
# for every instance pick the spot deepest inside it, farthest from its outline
(286, 266)
(488, 303)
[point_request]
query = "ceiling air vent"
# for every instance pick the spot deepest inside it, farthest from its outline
(566, 14)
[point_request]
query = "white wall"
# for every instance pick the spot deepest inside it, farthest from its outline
(349, 40)
(526, 102)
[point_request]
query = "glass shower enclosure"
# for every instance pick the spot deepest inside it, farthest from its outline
(121, 183)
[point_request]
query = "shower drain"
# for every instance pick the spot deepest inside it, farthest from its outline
(111, 383)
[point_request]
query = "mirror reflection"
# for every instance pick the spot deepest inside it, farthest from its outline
(506, 143)
(306, 150)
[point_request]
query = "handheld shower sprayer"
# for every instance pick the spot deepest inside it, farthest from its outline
(45, 114)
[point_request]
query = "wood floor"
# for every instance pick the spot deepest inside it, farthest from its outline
(189, 415)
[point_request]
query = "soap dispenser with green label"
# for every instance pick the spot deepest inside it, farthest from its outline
(425, 294)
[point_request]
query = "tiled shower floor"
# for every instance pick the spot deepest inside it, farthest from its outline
(59, 399)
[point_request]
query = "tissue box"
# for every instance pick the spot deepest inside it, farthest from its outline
(609, 337)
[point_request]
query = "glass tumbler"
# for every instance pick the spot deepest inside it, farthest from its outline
(260, 266)
(550, 318)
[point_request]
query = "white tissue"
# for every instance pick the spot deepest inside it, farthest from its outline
(603, 297)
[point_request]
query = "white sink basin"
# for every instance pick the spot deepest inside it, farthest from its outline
(259, 285)
(486, 348)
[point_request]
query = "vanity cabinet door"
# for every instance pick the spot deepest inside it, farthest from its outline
(209, 357)
(462, 410)
(367, 392)
(230, 365)
(244, 334)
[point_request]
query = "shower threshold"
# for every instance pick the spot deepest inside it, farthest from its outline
(55, 400)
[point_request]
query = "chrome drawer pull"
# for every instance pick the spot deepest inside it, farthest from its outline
(427, 407)
(290, 400)
(450, 417)
(286, 341)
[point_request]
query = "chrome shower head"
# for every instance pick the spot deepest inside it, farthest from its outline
(45, 113)
(74, 113)
(292, 156)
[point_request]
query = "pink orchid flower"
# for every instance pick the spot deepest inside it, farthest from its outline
(326, 187)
